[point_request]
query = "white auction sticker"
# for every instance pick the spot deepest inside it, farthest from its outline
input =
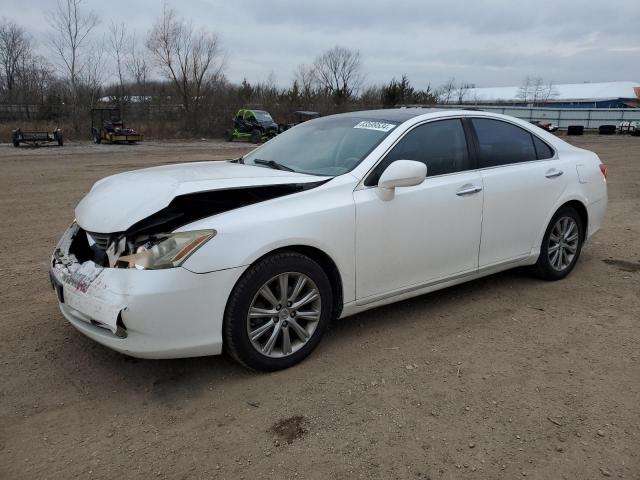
(380, 126)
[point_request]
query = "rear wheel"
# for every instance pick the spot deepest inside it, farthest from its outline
(561, 245)
(256, 136)
(278, 312)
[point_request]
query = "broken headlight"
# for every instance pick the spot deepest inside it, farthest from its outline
(166, 250)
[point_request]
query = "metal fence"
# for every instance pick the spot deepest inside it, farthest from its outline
(590, 118)
(563, 117)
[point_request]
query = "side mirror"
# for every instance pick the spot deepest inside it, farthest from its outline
(401, 173)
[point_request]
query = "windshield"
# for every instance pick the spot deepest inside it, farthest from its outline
(263, 116)
(327, 146)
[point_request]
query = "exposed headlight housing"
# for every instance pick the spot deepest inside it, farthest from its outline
(166, 250)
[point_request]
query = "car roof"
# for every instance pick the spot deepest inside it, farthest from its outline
(392, 114)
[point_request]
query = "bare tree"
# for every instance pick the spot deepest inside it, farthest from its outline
(304, 75)
(537, 90)
(524, 91)
(549, 92)
(70, 40)
(338, 72)
(93, 76)
(138, 68)
(191, 59)
(35, 79)
(446, 91)
(15, 50)
(463, 91)
(534, 90)
(118, 41)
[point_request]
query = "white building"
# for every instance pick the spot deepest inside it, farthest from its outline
(575, 95)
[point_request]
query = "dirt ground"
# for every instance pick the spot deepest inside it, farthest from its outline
(504, 377)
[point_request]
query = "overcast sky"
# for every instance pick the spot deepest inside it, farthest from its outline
(489, 43)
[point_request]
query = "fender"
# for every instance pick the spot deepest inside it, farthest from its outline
(561, 201)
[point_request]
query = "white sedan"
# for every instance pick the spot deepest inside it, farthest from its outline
(336, 216)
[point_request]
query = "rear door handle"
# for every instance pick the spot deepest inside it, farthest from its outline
(553, 173)
(468, 190)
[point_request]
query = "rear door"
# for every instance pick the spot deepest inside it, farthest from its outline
(522, 181)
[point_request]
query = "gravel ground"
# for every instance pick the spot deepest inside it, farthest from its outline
(504, 377)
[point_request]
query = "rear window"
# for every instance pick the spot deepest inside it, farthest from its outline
(501, 143)
(543, 151)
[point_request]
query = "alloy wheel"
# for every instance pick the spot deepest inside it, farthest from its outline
(563, 243)
(284, 314)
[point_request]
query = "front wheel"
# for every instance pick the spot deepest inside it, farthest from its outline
(561, 245)
(256, 136)
(277, 312)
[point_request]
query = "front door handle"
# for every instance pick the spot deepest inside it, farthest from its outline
(468, 190)
(553, 173)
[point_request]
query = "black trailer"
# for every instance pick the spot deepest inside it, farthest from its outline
(35, 139)
(300, 116)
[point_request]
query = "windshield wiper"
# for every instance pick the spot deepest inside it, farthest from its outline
(273, 164)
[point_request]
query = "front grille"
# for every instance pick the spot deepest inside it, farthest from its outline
(102, 239)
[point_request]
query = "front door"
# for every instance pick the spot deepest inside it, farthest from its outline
(428, 232)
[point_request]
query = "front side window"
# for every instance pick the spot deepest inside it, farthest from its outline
(440, 145)
(501, 143)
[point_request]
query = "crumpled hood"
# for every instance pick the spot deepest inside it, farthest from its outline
(117, 202)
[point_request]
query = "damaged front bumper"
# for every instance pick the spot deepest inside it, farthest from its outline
(167, 313)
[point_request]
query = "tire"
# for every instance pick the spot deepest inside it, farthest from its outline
(228, 135)
(96, 138)
(545, 267)
(16, 143)
(575, 130)
(247, 295)
(256, 136)
(60, 140)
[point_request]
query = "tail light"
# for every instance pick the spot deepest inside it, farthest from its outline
(603, 169)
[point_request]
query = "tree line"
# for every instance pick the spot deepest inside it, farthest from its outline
(175, 67)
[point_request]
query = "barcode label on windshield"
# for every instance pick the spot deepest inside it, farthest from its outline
(380, 126)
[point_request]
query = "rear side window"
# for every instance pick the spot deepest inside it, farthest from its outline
(543, 151)
(502, 143)
(441, 145)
